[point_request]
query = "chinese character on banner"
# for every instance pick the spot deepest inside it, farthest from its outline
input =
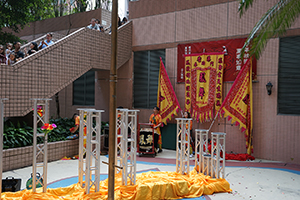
(203, 84)
(232, 62)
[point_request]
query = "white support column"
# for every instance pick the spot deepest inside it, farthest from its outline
(183, 145)
(202, 157)
(217, 147)
(126, 120)
(1, 139)
(40, 149)
(82, 150)
(93, 137)
(121, 139)
(132, 142)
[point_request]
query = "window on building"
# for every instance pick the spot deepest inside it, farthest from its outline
(84, 90)
(289, 76)
(146, 71)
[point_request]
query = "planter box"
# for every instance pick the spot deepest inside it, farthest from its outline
(22, 157)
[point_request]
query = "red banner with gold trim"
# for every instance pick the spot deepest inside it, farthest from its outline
(203, 85)
(237, 105)
(166, 98)
(232, 59)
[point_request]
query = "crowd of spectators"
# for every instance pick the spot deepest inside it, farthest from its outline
(13, 53)
(95, 24)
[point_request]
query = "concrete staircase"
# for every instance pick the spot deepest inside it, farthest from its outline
(43, 74)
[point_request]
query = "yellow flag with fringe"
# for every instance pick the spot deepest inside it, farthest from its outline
(166, 98)
(237, 105)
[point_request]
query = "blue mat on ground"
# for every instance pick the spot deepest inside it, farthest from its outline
(65, 182)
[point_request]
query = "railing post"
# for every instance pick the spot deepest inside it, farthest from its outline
(1, 140)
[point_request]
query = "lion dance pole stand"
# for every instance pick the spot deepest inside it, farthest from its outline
(202, 155)
(126, 146)
(93, 137)
(40, 149)
(210, 163)
(1, 139)
(183, 145)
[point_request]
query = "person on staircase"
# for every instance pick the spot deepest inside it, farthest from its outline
(93, 25)
(47, 42)
(2, 55)
(11, 59)
(33, 49)
(8, 49)
(18, 53)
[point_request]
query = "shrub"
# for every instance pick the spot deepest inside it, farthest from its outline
(22, 135)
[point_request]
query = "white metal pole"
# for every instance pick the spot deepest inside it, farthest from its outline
(45, 164)
(1, 140)
(34, 145)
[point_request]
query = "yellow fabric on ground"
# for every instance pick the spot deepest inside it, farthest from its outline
(150, 185)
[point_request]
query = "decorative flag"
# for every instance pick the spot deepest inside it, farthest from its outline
(237, 105)
(166, 98)
(203, 84)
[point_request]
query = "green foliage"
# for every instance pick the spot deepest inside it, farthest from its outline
(17, 136)
(8, 37)
(273, 23)
(244, 5)
(21, 135)
(62, 130)
(81, 5)
(16, 14)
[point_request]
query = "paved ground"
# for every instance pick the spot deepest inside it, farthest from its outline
(257, 179)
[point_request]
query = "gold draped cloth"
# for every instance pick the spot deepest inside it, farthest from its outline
(149, 185)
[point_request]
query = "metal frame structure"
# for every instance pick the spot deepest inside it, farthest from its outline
(93, 137)
(217, 146)
(40, 149)
(126, 120)
(1, 139)
(82, 149)
(183, 145)
(86, 153)
(202, 158)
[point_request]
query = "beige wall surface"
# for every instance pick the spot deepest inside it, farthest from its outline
(275, 136)
(124, 94)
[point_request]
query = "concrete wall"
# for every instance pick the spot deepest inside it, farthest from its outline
(63, 25)
(16, 158)
(124, 93)
(173, 22)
